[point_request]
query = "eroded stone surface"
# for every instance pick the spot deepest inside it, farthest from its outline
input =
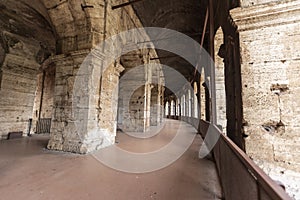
(26, 40)
(269, 39)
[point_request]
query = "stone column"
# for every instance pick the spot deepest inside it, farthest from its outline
(155, 105)
(84, 117)
(156, 95)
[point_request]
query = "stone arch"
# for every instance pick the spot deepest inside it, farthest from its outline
(27, 41)
(72, 23)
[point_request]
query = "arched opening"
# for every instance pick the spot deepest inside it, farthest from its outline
(27, 39)
(204, 97)
(178, 107)
(190, 103)
(167, 109)
(220, 80)
(183, 106)
(196, 105)
(172, 108)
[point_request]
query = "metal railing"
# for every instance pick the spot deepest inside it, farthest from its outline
(240, 177)
(43, 125)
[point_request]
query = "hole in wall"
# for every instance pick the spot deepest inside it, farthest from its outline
(273, 127)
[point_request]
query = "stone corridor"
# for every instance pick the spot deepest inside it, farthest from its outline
(29, 171)
(76, 75)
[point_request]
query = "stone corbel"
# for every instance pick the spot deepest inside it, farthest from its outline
(118, 69)
(47, 63)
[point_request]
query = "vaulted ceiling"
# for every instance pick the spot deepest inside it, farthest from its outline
(40, 22)
(186, 17)
(25, 29)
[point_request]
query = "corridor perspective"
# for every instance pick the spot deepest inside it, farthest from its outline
(52, 176)
(150, 99)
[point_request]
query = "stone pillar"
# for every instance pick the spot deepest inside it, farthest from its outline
(220, 79)
(147, 108)
(85, 103)
(156, 95)
(270, 56)
(202, 97)
(161, 91)
(196, 102)
(155, 105)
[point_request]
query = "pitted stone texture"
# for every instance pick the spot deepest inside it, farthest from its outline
(80, 124)
(247, 3)
(96, 98)
(270, 59)
(26, 40)
(16, 94)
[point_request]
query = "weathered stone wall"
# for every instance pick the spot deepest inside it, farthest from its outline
(247, 3)
(80, 122)
(269, 38)
(45, 90)
(26, 40)
(43, 101)
(64, 133)
(72, 24)
(270, 59)
(48, 93)
(17, 93)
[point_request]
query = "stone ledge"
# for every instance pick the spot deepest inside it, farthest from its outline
(261, 16)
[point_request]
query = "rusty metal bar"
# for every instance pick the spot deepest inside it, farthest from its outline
(164, 57)
(43, 125)
(202, 39)
(212, 84)
(167, 38)
(263, 181)
(273, 190)
(204, 28)
(42, 94)
(125, 4)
